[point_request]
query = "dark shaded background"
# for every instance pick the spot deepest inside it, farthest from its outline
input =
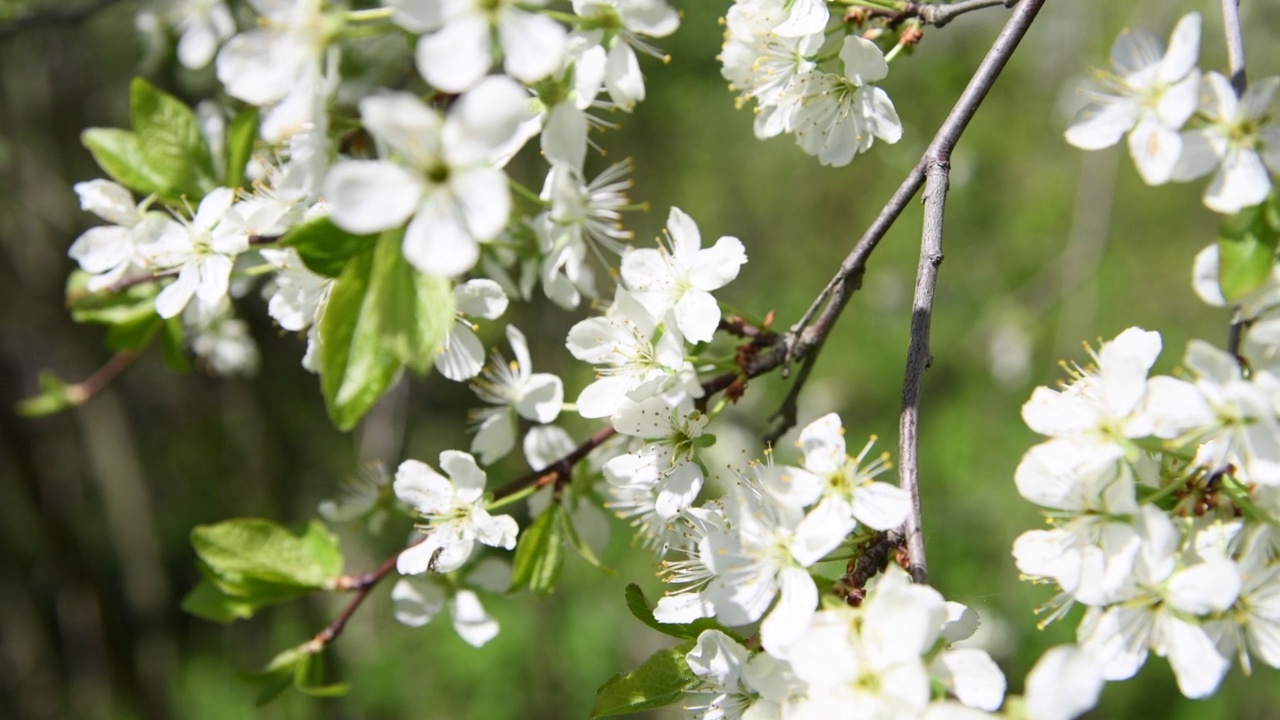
(1046, 246)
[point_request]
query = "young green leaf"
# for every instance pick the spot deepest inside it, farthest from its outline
(119, 154)
(207, 601)
(174, 342)
(171, 143)
(354, 367)
(324, 247)
(415, 310)
(308, 678)
(130, 314)
(249, 550)
(54, 397)
(583, 549)
(241, 135)
(662, 680)
(1247, 251)
(639, 606)
(540, 553)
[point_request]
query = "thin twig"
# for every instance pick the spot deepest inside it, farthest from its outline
(362, 585)
(937, 14)
(84, 390)
(806, 337)
(1235, 44)
(919, 358)
(54, 17)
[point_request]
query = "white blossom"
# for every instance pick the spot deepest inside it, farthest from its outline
(459, 48)
(1237, 141)
(679, 279)
(512, 389)
(109, 253)
(437, 173)
(1150, 96)
(454, 512)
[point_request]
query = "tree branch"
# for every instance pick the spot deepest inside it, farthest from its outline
(805, 338)
(362, 585)
(936, 14)
(919, 358)
(1235, 44)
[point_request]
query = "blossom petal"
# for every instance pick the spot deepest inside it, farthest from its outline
(368, 196)
(1101, 124)
(718, 265)
(534, 44)
(470, 621)
(1064, 684)
(461, 356)
(456, 57)
(416, 601)
(437, 242)
(797, 603)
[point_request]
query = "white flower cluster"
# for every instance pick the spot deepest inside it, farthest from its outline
(747, 557)
(772, 52)
(440, 172)
(883, 659)
(645, 381)
(738, 553)
(1163, 495)
(1183, 124)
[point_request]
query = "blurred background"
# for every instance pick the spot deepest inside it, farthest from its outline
(1046, 246)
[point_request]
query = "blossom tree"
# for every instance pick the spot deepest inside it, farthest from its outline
(386, 218)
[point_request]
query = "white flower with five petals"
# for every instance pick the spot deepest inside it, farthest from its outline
(454, 511)
(438, 174)
(109, 252)
(459, 50)
(1237, 141)
(1150, 96)
(679, 279)
(512, 389)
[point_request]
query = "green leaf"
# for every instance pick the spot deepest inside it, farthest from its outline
(415, 310)
(171, 143)
(252, 553)
(1247, 251)
(639, 606)
(119, 154)
(324, 247)
(662, 680)
(540, 553)
(308, 678)
(381, 315)
(55, 396)
(174, 343)
(207, 601)
(241, 135)
(354, 367)
(575, 541)
(276, 677)
(130, 313)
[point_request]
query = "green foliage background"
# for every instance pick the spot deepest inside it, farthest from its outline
(1043, 241)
